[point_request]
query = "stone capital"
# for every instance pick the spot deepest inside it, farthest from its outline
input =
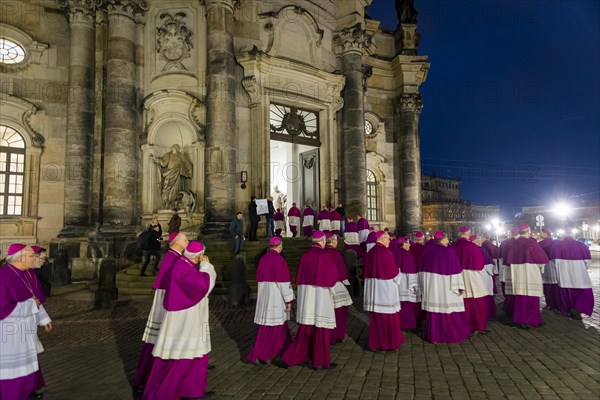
(351, 40)
(411, 102)
(228, 4)
(252, 86)
(79, 11)
(127, 8)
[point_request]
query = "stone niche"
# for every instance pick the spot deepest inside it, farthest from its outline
(173, 117)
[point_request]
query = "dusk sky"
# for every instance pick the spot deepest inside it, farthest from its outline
(512, 99)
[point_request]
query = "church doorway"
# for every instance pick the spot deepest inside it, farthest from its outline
(294, 157)
(294, 175)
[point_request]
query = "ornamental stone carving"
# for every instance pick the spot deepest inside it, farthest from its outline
(351, 40)
(82, 11)
(367, 73)
(252, 88)
(411, 102)
(405, 9)
(127, 8)
(229, 4)
(173, 41)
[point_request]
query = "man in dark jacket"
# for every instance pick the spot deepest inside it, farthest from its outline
(254, 219)
(270, 231)
(342, 212)
(174, 222)
(152, 248)
(237, 231)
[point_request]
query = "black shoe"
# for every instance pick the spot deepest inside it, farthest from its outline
(280, 364)
(573, 313)
(211, 366)
(375, 350)
(36, 395)
(143, 274)
(259, 363)
(208, 394)
(523, 326)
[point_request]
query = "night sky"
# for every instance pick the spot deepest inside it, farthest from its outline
(512, 99)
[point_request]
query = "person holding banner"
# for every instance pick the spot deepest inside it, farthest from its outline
(254, 219)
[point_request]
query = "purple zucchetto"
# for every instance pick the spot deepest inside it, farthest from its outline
(195, 248)
(172, 236)
(439, 235)
(15, 248)
(514, 231)
(464, 229)
(419, 235)
(275, 241)
(318, 235)
(38, 249)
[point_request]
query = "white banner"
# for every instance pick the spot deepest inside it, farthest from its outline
(261, 206)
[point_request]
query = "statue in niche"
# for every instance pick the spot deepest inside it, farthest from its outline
(174, 168)
(405, 9)
(279, 199)
(173, 41)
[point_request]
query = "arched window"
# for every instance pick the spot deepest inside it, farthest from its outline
(372, 198)
(12, 171)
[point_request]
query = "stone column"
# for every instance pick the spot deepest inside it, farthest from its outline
(350, 44)
(221, 151)
(80, 116)
(121, 118)
(409, 156)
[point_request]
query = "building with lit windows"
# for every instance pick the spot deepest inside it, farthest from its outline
(116, 111)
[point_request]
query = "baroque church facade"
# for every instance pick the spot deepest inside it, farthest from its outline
(113, 112)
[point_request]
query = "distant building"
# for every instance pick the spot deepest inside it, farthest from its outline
(584, 216)
(443, 208)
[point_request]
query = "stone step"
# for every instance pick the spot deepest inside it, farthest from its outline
(220, 255)
(135, 291)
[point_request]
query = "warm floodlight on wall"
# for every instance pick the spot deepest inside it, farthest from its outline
(244, 178)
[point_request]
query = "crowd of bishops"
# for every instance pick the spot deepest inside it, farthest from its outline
(443, 291)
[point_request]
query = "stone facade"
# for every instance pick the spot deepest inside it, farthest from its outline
(109, 87)
(444, 209)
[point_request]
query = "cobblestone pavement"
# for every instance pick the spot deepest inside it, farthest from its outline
(92, 354)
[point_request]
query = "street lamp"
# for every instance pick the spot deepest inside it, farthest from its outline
(497, 229)
(562, 209)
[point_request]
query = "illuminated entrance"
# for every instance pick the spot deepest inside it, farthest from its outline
(294, 171)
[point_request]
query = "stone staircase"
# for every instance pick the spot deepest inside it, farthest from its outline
(129, 281)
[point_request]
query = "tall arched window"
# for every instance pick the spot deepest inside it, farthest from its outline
(372, 198)
(12, 171)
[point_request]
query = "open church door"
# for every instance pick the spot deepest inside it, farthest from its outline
(309, 185)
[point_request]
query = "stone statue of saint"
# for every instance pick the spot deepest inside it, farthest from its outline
(405, 9)
(174, 168)
(279, 199)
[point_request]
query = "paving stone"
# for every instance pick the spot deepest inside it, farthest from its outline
(93, 354)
